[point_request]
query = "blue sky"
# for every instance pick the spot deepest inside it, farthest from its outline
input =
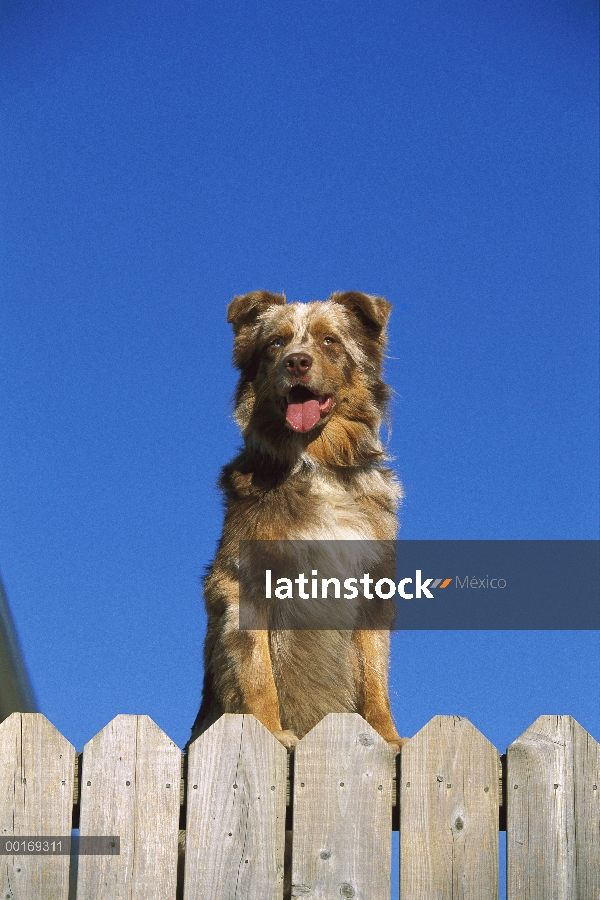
(160, 157)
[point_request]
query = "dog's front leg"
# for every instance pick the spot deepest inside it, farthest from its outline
(374, 706)
(250, 655)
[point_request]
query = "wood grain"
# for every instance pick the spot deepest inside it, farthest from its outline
(449, 813)
(342, 835)
(36, 798)
(553, 813)
(235, 813)
(130, 787)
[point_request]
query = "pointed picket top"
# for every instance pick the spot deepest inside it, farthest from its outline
(36, 798)
(130, 782)
(449, 812)
(553, 809)
(235, 824)
(343, 773)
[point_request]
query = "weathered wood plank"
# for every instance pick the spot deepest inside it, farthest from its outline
(586, 781)
(449, 813)
(36, 797)
(342, 836)
(130, 787)
(235, 813)
(553, 815)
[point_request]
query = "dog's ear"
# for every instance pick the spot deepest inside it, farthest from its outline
(372, 312)
(243, 313)
(245, 310)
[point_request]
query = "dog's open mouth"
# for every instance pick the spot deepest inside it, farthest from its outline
(305, 409)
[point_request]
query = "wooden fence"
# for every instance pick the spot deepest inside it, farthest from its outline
(236, 794)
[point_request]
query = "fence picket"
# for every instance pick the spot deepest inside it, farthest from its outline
(553, 812)
(235, 812)
(342, 834)
(36, 798)
(130, 787)
(129, 784)
(586, 757)
(449, 813)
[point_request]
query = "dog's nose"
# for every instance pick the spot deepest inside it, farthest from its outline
(298, 364)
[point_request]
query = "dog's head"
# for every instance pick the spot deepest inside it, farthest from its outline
(311, 375)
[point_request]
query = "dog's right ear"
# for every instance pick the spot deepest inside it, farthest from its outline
(245, 310)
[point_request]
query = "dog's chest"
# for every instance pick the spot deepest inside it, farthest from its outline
(334, 513)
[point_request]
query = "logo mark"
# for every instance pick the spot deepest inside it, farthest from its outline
(422, 588)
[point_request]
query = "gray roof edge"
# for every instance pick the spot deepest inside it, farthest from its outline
(16, 692)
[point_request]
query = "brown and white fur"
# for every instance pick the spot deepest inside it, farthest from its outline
(310, 402)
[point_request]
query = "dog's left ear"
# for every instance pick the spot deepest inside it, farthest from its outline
(372, 312)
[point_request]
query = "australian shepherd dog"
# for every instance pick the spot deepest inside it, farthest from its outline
(310, 402)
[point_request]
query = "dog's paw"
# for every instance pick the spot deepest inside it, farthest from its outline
(397, 745)
(287, 738)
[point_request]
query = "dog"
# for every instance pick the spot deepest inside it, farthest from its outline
(310, 403)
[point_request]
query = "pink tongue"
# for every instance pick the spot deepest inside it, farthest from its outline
(303, 416)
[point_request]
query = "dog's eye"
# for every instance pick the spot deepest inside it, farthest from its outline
(276, 342)
(329, 340)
